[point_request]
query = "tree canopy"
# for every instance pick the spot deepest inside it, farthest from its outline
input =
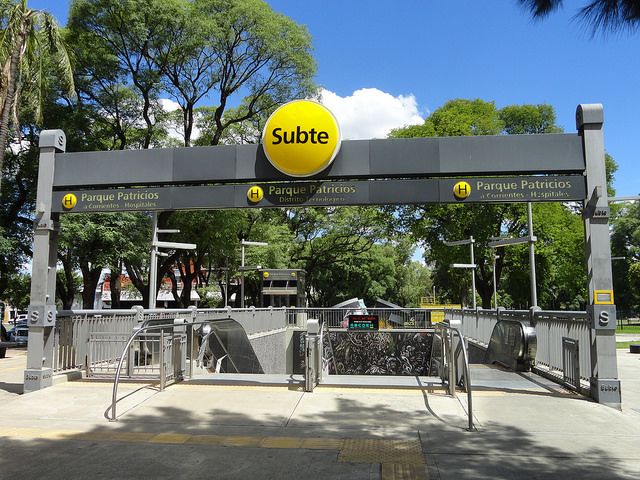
(605, 16)
(558, 227)
(31, 46)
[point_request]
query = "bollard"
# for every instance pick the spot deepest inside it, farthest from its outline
(311, 355)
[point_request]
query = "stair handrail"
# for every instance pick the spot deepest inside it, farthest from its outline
(125, 352)
(466, 375)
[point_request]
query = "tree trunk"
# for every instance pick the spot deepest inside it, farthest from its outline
(90, 279)
(66, 288)
(116, 285)
(137, 280)
(174, 288)
(9, 99)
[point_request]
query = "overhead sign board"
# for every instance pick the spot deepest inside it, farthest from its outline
(321, 193)
(301, 138)
(559, 154)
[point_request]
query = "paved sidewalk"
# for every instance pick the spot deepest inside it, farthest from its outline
(527, 428)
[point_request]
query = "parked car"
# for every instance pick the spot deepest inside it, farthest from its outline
(4, 337)
(22, 317)
(19, 334)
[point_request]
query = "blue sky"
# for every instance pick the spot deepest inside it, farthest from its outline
(384, 63)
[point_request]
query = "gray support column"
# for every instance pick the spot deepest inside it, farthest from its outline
(473, 273)
(532, 257)
(605, 385)
(42, 309)
(153, 264)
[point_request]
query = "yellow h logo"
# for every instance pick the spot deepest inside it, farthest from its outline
(461, 190)
(69, 201)
(255, 194)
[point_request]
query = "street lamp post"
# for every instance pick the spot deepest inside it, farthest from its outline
(472, 266)
(155, 253)
(531, 240)
(247, 243)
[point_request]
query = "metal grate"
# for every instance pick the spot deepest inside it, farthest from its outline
(571, 362)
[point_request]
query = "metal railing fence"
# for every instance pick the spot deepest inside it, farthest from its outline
(90, 339)
(74, 329)
(551, 328)
(395, 318)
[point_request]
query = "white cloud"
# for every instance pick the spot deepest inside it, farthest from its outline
(169, 105)
(175, 130)
(371, 113)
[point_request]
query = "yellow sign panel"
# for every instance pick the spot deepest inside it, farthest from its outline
(255, 194)
(301, 138)
(461, 190)
(69, 201)
(603, 297)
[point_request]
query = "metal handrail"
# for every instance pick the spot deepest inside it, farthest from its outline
(125, 352)
(467, 376)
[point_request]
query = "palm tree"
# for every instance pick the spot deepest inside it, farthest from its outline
(29, 38)
(603, 15)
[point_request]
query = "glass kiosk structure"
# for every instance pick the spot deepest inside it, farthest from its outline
(282, 288)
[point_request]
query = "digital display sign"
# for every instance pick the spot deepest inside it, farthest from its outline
(363, 323)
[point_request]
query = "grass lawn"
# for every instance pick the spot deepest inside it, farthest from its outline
(628, 329)
(625, 345)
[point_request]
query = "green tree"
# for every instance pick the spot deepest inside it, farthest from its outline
(29, 38)
(222, 48)
(625, 245)
(131, 53)
(432, 224)
(602, 15)
(216, 234)
(529, 119)
(262, 54)
(91, 242)
(112, 42)
(633, 277)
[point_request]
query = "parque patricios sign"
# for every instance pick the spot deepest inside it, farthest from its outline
(302, 161)
(291, 194)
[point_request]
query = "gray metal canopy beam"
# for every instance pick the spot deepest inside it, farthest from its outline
(388, 158)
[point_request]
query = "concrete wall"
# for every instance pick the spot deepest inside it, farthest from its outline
(260, 320)
(271, 350)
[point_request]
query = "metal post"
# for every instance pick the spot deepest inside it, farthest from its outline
(242, 275)
(226, 285)
(451, 363)
(312, 352)
(605, 385)
(532, 257)
(473, 273)
(162, 358)
(495, 285)
(153, 267)
(244, 242)
(42, 308)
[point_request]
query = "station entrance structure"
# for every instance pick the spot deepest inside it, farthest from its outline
(498, 169)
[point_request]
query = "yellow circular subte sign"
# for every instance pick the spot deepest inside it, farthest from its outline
(255, 194)
(301, 138)
(461, 190)
(69, 201)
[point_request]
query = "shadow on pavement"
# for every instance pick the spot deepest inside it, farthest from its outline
(203, 438)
